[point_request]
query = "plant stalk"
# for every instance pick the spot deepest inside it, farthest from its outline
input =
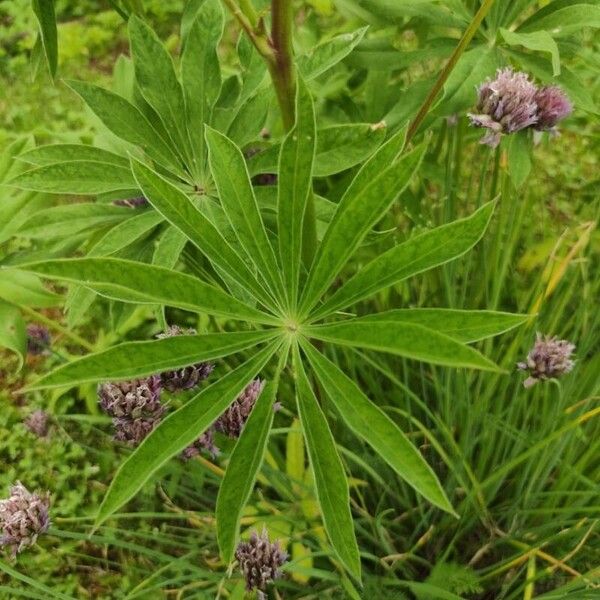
(445, 73)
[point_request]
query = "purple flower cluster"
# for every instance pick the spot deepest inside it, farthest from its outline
(38, 339)
(511, 102)
(548, 359)
(38, 423)
(260, 561)
(23, 517)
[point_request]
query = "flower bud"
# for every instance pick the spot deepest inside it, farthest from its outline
(553, 106)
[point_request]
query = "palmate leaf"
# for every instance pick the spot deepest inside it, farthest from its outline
(178, 431)
(330, 480)
(179, 210)
(153, 356)
(239, 203)
(137, 282)
(418, 254)
(372, 424)
(295, 184)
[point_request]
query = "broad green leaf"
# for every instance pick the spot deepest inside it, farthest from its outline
(364, 203)
(140, 283)
(329, 53)
(25, 289)
(44, 11)
(339, 147)
(126, 121)
(57, 153)
(82, 177)
(153, 356)
(369, 422)
(201, 75)
(407, 339)
(540, 41)
(12, 331)
(157, 80)
(239, 203)
(179, 210)
(465, 326)
(243, 467)
(178, 431)
(69, 219)
(294, 186)
(519, 157)
(330, 480)
(563, 19)
(422, 252)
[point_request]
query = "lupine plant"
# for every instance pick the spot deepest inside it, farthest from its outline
(274, 268)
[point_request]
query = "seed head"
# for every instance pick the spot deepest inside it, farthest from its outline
(187, 377)
(232, 421)
(37, 423)
(23, 516)
(139, 202)
(505, 105)
(38, 339)
(553, 106)
(548, 359)
(260, 561)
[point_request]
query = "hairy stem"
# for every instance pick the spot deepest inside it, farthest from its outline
(445, 73)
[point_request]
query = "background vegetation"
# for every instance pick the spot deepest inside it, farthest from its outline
(521, 466)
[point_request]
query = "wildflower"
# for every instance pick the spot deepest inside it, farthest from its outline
(38, 339)
(549, 358)
(139, 202)
(205, 442)
(37, 423)
(260, 561)
(232, 421)
(187, 377)
(505, 105)
(134, 405)
(23, 516)
(553, 106)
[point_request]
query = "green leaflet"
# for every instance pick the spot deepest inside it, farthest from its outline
(404, 339)
(463, 325)
(294, 186)
(201, 77)
(137, 282)
(366, 200)
(126, 121)
(519, 157)
(155, 75)
(179, 210)
(177, 431)
(25, 289)
(541, 41)
(55, 153)
(153, 356)
(44, 11)
(239, 203)
(12, 331)
(330, 480)
(83, 177)
(243, 467)
(564, 18)
(68, 219)
(420, 253)
(370, 423)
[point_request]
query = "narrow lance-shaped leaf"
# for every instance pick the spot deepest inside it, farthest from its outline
(294, 186)
(126, 121)
(243, 467)
(177, 432)
(330, 480)
(422, 252)
(138, 359)
(201, 76)
(157, 80)
(130, 281)
(179, 210)
(404, 339)
(370, 423)
(25, 289)
(366, 200)
(239, 203)
(54, 153)
(44, 11)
